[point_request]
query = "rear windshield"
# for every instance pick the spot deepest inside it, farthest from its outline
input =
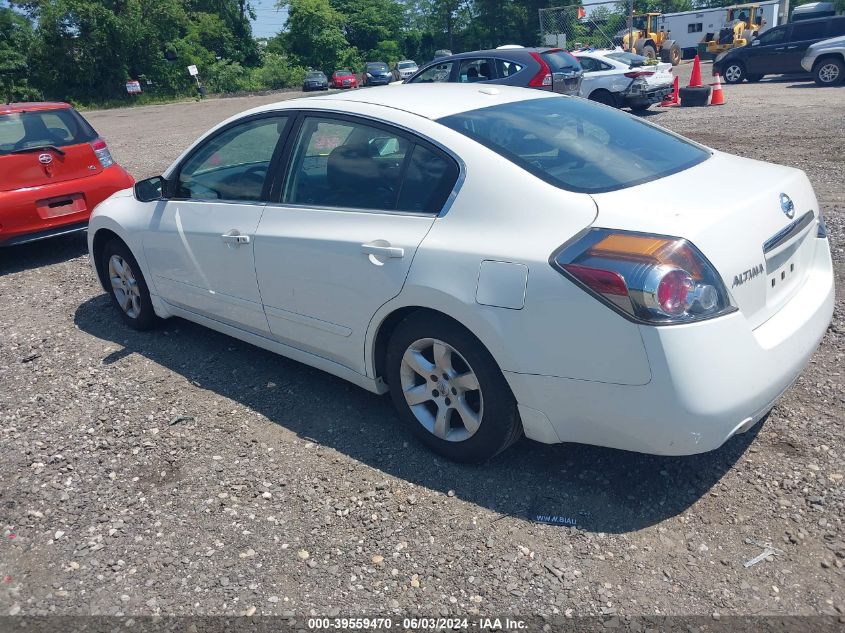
(342, 73)
(560, 61)
(577, 145)
(23, 130)
(627, 58)
(406, 64)
(377, 66)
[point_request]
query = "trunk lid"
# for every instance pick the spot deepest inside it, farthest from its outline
(730, 208)
(662, 75)
(46, 166)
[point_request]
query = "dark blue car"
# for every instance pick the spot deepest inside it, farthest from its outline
(377, 74)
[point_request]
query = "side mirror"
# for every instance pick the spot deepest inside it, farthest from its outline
(150, 189)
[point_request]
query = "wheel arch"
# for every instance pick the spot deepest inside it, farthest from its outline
(826, 56)
(98, 244)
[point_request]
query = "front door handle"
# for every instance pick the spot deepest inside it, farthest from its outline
(234, 238)
(383, 250)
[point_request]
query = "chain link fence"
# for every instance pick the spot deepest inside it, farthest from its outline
(599, 24)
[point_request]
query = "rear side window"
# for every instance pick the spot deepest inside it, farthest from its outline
(561, 61)
(473, 70)
(576, 145)
(23, 130)
(809, 31)
(429, 179)
(507, 68)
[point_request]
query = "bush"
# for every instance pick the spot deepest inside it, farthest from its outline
(276, 71)
(225, 76)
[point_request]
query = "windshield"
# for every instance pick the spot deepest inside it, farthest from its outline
(60, 127)
(639, 22)
(577, 145)
(561, 61)
(376, 66)
(314, 76)
(627, 58)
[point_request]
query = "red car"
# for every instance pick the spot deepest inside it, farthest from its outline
(344, 79)
(54, 169)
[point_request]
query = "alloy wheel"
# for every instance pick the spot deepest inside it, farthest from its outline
(829, 73)
(441, 390)
(733, 73)
(125, 286)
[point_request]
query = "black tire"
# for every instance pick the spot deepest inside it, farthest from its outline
(734, 72)
(753, 78)
(604, 96)
(640, 107)
(671, 54)
(499, 425)
(146, 318)
(829, 72)
(648, 51)
(694, 96)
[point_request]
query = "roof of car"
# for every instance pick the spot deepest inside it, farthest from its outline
(9, 108)
(431, 101)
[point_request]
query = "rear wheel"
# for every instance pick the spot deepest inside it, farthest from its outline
(734, 73)
(127, 287)
(449, 391)
(603, 96)
(829, 72)
(648, 51)
(640, 107)
(672, 54)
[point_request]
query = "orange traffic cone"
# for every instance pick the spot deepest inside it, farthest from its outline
(718, 96)
(673, 99)
(695, 78)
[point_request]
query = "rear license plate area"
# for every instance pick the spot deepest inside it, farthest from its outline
(61, 205)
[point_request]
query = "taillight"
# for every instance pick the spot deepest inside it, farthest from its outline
(650, 278)
(636, 74)
(103, 154)
(544, 77)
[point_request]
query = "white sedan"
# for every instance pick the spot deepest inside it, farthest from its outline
(494, 257)
(624, 80)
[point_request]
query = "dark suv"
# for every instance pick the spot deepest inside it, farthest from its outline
(543, 68)
(778, 51)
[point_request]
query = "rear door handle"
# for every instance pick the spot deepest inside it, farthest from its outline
(383, 251)
(791, 47)
(234, 238)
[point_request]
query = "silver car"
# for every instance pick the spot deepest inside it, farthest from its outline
(826, 60)
(405, 69)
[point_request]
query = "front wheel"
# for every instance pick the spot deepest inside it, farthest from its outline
(648, 51)
(449, 391)
(127, 286)
(829, 72)
(734, 73)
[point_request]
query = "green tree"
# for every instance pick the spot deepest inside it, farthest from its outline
(315, 35)
(16, 38)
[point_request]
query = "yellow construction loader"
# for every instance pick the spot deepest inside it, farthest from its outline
(648, 41)
(742, 23)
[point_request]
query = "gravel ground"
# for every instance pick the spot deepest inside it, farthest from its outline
(183, 472)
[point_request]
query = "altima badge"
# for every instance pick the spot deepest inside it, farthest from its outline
(747, 275)
(787, 206)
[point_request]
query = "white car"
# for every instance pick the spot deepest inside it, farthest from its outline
(624, 80)
(503, 261)
(406, 68)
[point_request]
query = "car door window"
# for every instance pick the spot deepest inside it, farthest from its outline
(232, 165)
(346, 164)
(473, 70)
(808, 31)
(429, 179)
(774, 36)
(507, 68)
(589, 64)
(434, 74)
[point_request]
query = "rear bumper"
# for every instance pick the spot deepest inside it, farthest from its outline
(710, 380)
(655, 95)
(22, 218)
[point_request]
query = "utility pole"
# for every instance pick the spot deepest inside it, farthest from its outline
(784, 12)
(631, 25)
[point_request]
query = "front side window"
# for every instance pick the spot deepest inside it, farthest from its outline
(577, 146)
(473, 70)
(434, 74)
(775, 36)
(232, 165)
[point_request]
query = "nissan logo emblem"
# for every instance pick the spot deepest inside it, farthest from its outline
(45, 159)
(787, 206)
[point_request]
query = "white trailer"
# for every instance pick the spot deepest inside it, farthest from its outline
(688, 28)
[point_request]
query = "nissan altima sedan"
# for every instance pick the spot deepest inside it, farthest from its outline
(493, 258)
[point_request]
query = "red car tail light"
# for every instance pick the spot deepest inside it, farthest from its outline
(649, 278)
(636, 74)
(544, 77)
(102, 151)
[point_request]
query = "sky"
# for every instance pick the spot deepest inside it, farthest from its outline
(268, 20)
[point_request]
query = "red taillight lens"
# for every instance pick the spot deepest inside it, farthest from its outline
(543, 77)
(103, 154)
(639, 73)
(651, 278)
